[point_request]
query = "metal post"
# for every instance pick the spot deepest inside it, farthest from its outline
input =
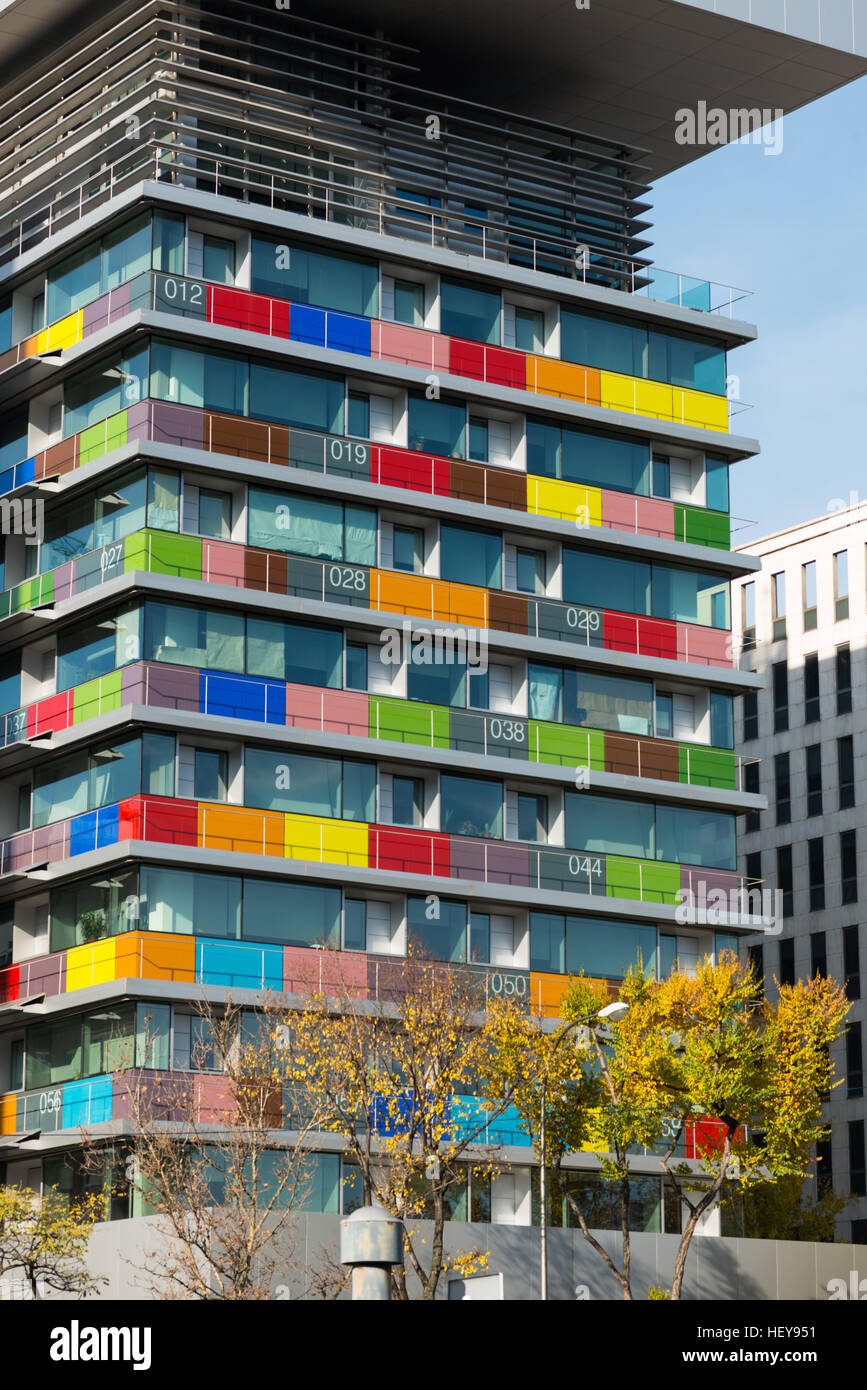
(371, 1242)
(543, 1198)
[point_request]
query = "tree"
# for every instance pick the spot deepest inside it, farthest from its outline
(398, 1080)
(787, 1210)
(702, 1057)
(213, 1157)
(44, 1240)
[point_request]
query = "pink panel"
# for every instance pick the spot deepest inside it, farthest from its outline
(306, 971)
(346, 712)
(52, 713)
(710, 646)
(223, 563)
(305, 706)
(655, 517)
(214, 1101)
(63, 579)
(414, 346)
(618, 510)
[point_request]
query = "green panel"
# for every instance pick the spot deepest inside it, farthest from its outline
(98, 439)
(32, 592)
(679, 523)
(706, 767)
(404, 721)
(641, 879)
(5, 604)
(708, 528)
(115, 430)
(162, 553)
(99, 696)
(566, 746)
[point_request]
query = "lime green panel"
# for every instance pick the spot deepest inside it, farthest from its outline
(99, 696)
(5, 604)
(641, 879)
(98, 439)
(566, 746)
(404, 721)
(32, 592)
(706, 767)
(707, 528)
(162, 553)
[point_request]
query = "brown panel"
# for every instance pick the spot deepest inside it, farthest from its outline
(660, 758)
(278, 451)
(467, 481)
(506, 489)
(60, 458)
(621, 754)
(277, 571)
(244, 438)
(508, 612)
(255, 569)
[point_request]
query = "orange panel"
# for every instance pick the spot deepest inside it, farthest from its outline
(8, 1110)
(168, 957)
(459, 603)
(127, 960)
(546, 992)
(565, 380)
(239, 831)
(400, 593)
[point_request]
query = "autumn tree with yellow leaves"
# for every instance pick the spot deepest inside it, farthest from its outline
(44, 1239)
(691, 1047)
(399, 1079)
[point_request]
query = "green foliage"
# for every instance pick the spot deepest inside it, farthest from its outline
(44, 1240)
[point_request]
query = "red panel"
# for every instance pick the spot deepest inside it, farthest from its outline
(705, 1138)
(657, 638)
(409, 852)
(53, 713)
(279, 318)
(619, 631)
(130, 818)
(10, 984)
(170, 822)
(398, 468)
(506, 368)
(239, 309)
(466, 359)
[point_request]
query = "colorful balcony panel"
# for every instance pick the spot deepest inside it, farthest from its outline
(353, 844)
(388, 465)
(383, 591)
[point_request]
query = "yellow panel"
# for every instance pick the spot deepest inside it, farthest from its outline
(93, 964)
(711, 412)
(570, 501)
(327, 841)
(8, 1111)
(64, 333)
(617, 392)
(655, 399)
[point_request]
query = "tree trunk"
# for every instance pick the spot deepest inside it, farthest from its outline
(694, 1216)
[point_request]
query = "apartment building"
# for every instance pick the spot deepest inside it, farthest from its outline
(311, 355)
(802, 624)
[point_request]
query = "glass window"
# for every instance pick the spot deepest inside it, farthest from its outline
(53, 1053)
(664, 715)
(215, 514)
(305, 399)
(843, 675)
(445, 684)
(548, 942)
(604, 581)
(469, 556)
(188, 376)
(186, 903)
(408, 549)
(211, 774)
(783, 786)
(328, 281)
(125, 253)
(811, 689)
(816, 869)
(717, 482)
(598, 701)
(356, 666)
(606, 460)
(480, 936)
(293, 652)
(218, 260)
(530, 571)
(690, 596)
(88, 911)
(597, 340)
(469, 313)
(437, 929)
(544, 449)
(814, 780)
(808, 590)
(849, 867)
(73, 282)
(407, 801)
(685, 835)
(157, 765)
(358, 415)
(841, 585)
(529, 330)
(532, 818)
(437, 427)
(103, 390)
(208, 639)
(303, 525)
(661, 476)
(5, 322)
(546, 692)
(168, 243)
(780, 675)
(607, 824)
(846, 771)
(471, 806)
(478, 689)
(85, 651)
(354, 924)
(478, 449)
(409, 303)
(13, 437)
(778, 605)
(164, 499)
(608, 949)
(721, 720)
(10, 682)
(291, 914)
(310, 785)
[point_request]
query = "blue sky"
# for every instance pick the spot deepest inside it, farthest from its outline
(792, 228)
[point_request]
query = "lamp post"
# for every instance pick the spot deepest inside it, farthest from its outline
(611, 1013)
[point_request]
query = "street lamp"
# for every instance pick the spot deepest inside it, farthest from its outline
(610, 1013)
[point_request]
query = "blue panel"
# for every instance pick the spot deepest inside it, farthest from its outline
(349, 334)
(25, 472)
(82, 833)
(7, 480)
(390, 1115)
(243, 697)
(238, 965)
(307, 325)
(87, 1102)
(469, 1118)
(107, 825)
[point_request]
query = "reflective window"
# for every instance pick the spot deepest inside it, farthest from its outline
(10, 682)
(209, 639)
(691, 596)
(310, 785)
(88, 911)
(599, 340)
(685, 835)
(605, 581)
(103, 390)
(188, 376)
(437, 427)
(588, 456)
(609, 825)
(469, 313)
(218, 260)
(562, 944)
(215, 514)
(717, 475)
(721, 720)
(97, 646)
(607, 702)
(13, 438)
(291, 914)
(184, 902)
(471, 806)
(470, 556)
(409, 303)
(443, 684)
(315, 277)
(293, 652)
(304, 525)
(437, 930)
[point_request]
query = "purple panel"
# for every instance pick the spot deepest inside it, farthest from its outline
(120, 301)
(95, 315)
(178, 424)
(508, 864)
(467, 858)
(170, 687)
(63, 578)
(138, 420)
(702, 882)
(48, 975)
